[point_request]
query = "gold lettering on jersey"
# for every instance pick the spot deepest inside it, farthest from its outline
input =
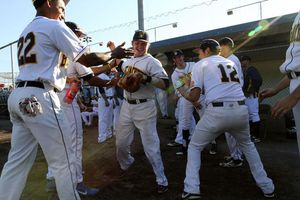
(64, 61)
(132, 69)
(295, 34)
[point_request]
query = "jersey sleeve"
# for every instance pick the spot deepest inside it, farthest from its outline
(66, 41)
(155, 69)
(197, 79)
(75, 68)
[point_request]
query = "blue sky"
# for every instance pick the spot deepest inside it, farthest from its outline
(116, 20)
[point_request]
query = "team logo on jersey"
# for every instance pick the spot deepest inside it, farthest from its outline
(63, 61)
(132, 69)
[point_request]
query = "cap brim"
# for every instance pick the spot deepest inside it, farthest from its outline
(141, 40)
(81, 31)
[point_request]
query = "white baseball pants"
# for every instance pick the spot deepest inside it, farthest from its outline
(51, 131)
(215, 121)
(143, 116)
(294, 83)
(105, 119)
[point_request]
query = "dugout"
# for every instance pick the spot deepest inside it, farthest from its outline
(266, 48)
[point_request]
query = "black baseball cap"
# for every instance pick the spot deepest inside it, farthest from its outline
(243, 58)
(227, 41)
(38, 3)
(75, 28)
(140, 35)
(177, 52)
(208, 43)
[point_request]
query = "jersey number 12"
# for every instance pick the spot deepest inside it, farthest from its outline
(226, 76)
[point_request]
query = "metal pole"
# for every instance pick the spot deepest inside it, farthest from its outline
(141, 14)
(12, 67)
(260, 10)
(155, 34)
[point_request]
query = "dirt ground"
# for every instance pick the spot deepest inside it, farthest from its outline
(279, 155)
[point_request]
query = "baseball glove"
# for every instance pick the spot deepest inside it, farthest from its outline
(131, 82)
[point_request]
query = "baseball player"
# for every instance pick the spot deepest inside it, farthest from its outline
(117, 104)
(290, 68)
(235, 159)
(72, 112)
(105, 111)
(139, 109)
(186, 119)
(162, 100)
(118, 91)
(34, 106)
(252, 83)
(225, 112)
(87, 116)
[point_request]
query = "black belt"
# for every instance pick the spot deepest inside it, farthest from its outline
(136, 101)
(221, 104)
(31, 84)
(292, 75)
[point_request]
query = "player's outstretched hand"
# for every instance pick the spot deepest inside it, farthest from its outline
(120, 52)
(268, 92)
(283, 106)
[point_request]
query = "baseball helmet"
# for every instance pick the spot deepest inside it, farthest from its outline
(177, 52)
(227, 41)
(245, 57)
(140, 35)
(209, 43)
(75, 28)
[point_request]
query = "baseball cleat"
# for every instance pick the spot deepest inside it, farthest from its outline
(173, 144)
(232, 163)
(50, 185)
(186, 196)
(86, 191)
(213, 149)
(162, 189)
(270, 195)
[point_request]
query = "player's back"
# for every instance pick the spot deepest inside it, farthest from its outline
(219, 79)
(39, 51)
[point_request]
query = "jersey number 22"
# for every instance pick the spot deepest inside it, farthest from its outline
(27, 43)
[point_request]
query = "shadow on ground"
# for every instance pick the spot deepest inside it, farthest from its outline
(279, 155)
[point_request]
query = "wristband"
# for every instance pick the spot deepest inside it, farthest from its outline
(154, 80)
(148, 79)
(179, 84)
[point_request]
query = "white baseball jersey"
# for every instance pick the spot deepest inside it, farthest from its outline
(237, 63)
(292, 57)
(148, 65)
(189, 67)
(175, 78)
(109, 92)
(49, 65)
(220, 77)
